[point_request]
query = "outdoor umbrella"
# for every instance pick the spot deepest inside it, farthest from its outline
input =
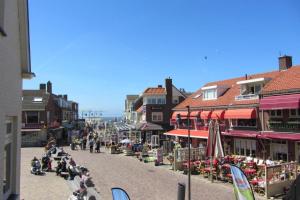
(125, 141)
(218, 149)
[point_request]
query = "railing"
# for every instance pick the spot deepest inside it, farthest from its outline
(246, 97)
(32, 126)
(287, 126)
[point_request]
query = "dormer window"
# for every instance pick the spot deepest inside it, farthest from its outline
(213, 92)
(251, 88)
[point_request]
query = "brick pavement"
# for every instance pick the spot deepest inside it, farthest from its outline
(48, 187)
(144, 181)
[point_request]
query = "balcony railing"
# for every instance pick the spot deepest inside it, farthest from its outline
(284, 126)
(246, 97)
(32, 126)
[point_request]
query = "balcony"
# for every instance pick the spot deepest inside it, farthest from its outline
(246, 97)
(288, 126)
(32, 126)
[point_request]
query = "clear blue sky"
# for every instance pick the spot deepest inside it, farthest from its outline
(97, 51)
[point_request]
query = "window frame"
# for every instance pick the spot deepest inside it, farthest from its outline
(297, 115)
(157, 116)
(276, 113)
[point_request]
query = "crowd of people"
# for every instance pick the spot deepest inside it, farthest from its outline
(84, 137)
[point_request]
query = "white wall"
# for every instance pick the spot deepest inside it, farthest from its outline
(10, 89)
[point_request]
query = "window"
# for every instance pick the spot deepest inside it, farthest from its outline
(243, 122)
(37, 100)
(7, 168)
(279, 150)
(209, 94)
(276, 113)
(32, 117)
(157, 116)
(8, 127)
(245, 147)
(294, 113)
(2, 32)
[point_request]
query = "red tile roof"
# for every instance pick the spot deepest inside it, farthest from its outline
(228, 98)
(155, 91)
(288, 80)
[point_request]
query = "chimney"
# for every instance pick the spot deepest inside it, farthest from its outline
(65, 97)
(49, 87)
(42, 86)
(159, 86)
(285, 62)
(169, 90)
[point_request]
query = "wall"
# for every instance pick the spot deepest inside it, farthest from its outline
(11, 90)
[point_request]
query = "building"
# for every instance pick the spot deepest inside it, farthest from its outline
(129, 114)
(43, 113)
(15, 66)
(153, 110)
(253, 122)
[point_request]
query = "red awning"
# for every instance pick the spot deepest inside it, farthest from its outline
(205, 114)
(183, 114)
(195, 114)
(218, 114)
(240, 133)
(280, 136)
(291, 101)
(184, 133)
(240, 114)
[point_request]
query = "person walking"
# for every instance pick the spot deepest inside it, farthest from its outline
(98, 145)
(91, 143)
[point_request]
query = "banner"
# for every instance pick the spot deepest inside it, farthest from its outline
(242, 188)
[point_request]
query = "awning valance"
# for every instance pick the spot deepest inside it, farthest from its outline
(205, 114)
(184, 133)
(183, 114)
(290, 101)
(240, 114)
(218, 114)
(280, 136)
(241, 133)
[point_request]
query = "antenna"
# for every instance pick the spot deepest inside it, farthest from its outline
(279, 53)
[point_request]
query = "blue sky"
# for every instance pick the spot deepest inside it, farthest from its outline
(97, 51)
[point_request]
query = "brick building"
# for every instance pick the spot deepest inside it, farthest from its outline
(153, 110)
(259, 114)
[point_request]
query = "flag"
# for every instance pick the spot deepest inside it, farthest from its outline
(119, 194)
(242, 188)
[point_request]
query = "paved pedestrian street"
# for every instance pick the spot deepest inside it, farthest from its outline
(144, 180)
(34, 187)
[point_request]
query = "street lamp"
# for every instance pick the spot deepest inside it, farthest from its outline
(189, 153)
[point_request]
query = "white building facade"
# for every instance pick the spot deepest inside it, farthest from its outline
(14, 66)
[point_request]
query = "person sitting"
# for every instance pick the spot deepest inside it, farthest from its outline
(33, 161)
(82, 191)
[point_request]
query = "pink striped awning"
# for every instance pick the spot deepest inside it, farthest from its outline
(290, 101)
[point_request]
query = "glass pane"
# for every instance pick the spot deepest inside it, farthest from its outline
(8, 128)
(278, 112)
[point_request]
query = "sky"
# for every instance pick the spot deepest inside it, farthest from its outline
(98, 51)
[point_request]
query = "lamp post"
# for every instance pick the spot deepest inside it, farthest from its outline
(189, 153)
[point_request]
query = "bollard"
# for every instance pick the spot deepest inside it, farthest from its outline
(181, 191)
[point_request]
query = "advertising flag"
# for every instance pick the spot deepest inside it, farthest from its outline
(242, 188)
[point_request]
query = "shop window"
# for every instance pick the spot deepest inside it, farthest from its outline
(280, 150)
(245, 147)
(32, 117)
